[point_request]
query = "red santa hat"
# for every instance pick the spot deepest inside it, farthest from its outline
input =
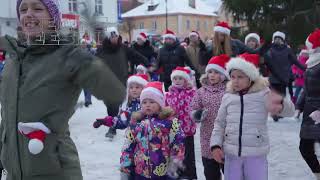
(142, 68)
(222, 27)
(194, 33)
(247, 63)
(182, 72)
(313, 40)
(169, 34)
(36, 132)
(218, 63)
(252, 36)
(153, 90)
(142, 36)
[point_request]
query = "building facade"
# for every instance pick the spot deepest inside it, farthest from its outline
(183, 17)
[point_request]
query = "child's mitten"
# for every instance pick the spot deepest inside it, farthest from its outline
(107, 121)
(36, 132)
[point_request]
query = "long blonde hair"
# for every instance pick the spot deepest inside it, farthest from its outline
(217, 45)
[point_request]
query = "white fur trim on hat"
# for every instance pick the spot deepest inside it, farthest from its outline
(142, 38)
(240, 64)
(222, 30)
(154, 94)
(180, 73)
(217, 68)
(27, 128)
(278, 34)
(141, 67)
(171, 36)
(309, 44)
(252, 35)
(137, 79)
(193, 34)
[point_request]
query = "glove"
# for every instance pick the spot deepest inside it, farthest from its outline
(107, 121)
(315, 115)
(36, 132)
(173, 167)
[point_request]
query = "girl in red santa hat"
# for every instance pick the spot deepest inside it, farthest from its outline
(131, 104)
(179, 97)
(205, 107)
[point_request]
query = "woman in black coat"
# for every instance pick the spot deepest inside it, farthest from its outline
(310, 102)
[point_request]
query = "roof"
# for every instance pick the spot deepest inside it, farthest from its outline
(174, 7)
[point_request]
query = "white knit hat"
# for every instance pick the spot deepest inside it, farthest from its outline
(247, 63)
(279, 34)
(254, 36)
(112, 31)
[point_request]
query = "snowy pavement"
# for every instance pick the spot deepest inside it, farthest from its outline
(100, 157)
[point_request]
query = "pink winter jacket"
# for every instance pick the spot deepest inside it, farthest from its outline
(179, 100)
(298, 73)
(208, 98)
(240, 128)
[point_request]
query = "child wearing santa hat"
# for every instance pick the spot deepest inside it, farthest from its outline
(205, 107)
(240, 136)
(153, 147)
(179, 97)
(131, 104)
(310, 128)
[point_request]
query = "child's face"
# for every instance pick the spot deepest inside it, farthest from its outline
(34, 17)
(150, 107)
(214, 77)
(135, 90)
(252, 43)
(178, 81)
(140, 71)
(240, 80)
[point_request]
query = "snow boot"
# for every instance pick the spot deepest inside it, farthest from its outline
(111, 133)
(317, 176)
(276, 118)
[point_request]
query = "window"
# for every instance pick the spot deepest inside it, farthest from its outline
(205, 25)
(99, 7)
(192, 3)
(73, 6)
(154, 25)
(198, 25)
(188, 24)
(141, 25)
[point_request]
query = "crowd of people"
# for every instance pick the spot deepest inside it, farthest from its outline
(226, 86)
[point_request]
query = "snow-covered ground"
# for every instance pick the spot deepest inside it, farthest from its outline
(100, 157)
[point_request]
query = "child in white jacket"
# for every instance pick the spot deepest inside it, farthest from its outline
(240, 136)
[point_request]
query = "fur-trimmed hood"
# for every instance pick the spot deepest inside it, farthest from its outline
(314, 59)
(166, 113)
(260, 84)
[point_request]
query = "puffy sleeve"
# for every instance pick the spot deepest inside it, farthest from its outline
(217, 136)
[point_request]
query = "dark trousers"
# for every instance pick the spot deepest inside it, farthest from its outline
(308, 153)
(189, 161)
(212, 169)
(87, 96)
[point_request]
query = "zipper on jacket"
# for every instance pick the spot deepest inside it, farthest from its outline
(240, 126)
(18, 94)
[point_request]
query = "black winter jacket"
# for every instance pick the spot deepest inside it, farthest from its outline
(146, 50)
(170, 57)
(310, 101)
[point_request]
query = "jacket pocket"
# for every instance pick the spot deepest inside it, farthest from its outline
(45, 163)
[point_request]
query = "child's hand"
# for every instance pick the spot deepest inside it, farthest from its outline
(274, 103)
(218, 155)
(315, 115)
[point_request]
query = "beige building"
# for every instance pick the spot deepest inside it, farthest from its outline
(184, 16)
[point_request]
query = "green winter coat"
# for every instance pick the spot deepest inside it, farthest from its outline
(43, 84)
